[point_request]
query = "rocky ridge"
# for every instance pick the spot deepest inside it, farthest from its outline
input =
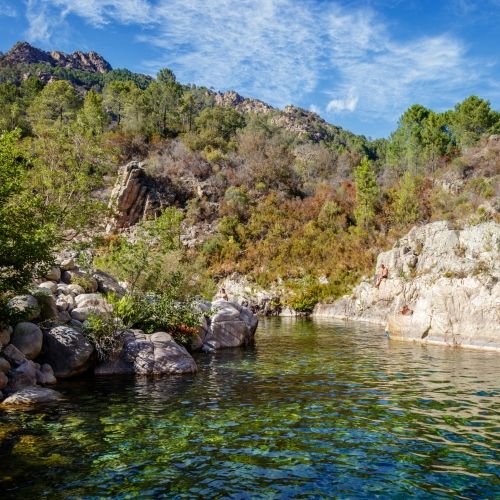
(448, 278)
(24, 53)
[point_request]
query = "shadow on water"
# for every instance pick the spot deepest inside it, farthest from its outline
(314, 409)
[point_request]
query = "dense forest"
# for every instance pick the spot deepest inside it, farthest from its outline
(284, 197)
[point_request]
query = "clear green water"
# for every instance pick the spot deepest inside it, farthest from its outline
(315, 409)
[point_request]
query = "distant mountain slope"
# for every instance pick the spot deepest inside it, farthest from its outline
(24, 53)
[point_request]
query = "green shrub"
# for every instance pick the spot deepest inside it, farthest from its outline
(104, 333)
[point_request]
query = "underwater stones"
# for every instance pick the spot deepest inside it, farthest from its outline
(31, 395)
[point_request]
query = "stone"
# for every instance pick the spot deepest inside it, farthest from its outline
(64, 317)
(232, 325)
(3, 381)
(75, 289)
(28, 338)
(54, 274)
(45, 375)
(5, 334)
(67, 264)
(63, 289)
(143, 354)
(88, 299)
(88, 283)
(13, 355)
(83, 313)
(4, 365)
(107, 284)
(448, 278)
(22, 376)
(48, 307)
(49, 285)
(67, 351)
(32, 395)
(24, 307)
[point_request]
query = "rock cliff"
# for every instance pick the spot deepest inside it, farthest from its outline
(449, 280)
(24, 53)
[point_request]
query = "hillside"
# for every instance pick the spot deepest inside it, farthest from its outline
(160, 182)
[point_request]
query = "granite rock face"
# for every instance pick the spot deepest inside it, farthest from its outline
(448, 278)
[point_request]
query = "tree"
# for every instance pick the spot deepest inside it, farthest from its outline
(92, 118)
(55, 106)
(26, 233)
(407, 207)
(471, 119)
(162, 104)
(367, 193)
(117, 96)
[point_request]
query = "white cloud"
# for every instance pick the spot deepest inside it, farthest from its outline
(281, 51)
(7, 10)
(349, 103)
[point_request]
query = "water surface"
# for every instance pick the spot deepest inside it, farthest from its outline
(313, 410)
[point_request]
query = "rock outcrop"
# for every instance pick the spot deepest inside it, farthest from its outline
(449, 279)
(135, 197)
(24, 53)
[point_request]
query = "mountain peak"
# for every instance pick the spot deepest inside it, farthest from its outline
(25, 53)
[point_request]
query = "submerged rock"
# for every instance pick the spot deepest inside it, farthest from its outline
(31, 395)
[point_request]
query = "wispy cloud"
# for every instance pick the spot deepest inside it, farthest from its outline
(7, 10)
(281, 50)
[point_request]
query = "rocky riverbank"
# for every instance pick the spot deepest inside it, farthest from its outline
(447, 278)
(47, 341)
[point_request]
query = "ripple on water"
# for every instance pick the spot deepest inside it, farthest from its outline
(315, 409)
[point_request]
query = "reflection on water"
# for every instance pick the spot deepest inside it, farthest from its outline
(315, 409)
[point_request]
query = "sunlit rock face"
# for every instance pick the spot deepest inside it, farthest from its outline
(448, 278)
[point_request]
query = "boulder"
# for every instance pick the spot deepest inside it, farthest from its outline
(83, 313)
(67, 351)
(75, 289)
(88, 283)
(3, 381)
(67, 263)
(48, 307)
(107, 284)
(24, 307)
(49, 285)
(143, 354)
(5, 334)
(13, 355)
(4, 365)
(232, 325)
(64, 317)
(22, 376)
(28, 339)
(32, 395)
(54, 274)
(45, 375)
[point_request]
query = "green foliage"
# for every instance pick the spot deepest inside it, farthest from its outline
(55, 106)
(104, 334)
(367, 193)
(407, 206)
(471, 119)
(26, 233)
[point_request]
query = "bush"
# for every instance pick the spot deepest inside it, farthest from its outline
(104, 334)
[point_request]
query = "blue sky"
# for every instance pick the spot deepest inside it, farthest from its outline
(359, 64)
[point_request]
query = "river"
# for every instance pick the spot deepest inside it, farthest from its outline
(315, 409)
